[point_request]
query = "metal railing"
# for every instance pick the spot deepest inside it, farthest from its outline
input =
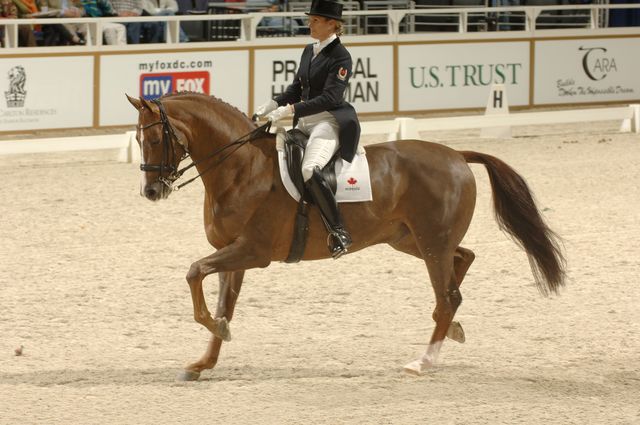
(400, 24)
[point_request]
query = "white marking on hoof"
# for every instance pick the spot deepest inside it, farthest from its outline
(456, 332)
(427, 361)
(417, 367)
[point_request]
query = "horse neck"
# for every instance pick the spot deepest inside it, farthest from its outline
(218, 126)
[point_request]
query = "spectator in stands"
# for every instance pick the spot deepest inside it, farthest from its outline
(114, 33)
(8, 10)
(267, 24)
(69, 33)
(130, 8)
(19, 9)
(161, 8)
(315, 99)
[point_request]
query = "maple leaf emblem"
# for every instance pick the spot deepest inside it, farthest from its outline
(352, 181)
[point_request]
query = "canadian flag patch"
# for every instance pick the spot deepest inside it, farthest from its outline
(342, 73)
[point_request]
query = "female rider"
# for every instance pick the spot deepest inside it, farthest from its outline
(316, 100)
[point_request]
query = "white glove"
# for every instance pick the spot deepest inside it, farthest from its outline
(280, 113)
(266, 108)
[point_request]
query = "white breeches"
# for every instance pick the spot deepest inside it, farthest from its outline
(114, 33)
(323, 131)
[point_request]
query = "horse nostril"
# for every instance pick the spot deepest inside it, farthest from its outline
(150, 192)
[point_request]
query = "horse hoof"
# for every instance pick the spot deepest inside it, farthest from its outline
(222, 329)
(187, 376)
(456, 332)
(416, 367)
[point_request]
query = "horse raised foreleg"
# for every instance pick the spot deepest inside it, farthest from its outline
(240, 255)
(230, 284)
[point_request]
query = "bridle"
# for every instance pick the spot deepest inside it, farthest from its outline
(169, 135)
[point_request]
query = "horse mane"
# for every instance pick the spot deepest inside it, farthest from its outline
(208, 98)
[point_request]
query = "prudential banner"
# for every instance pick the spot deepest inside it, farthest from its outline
(582, 71)
(460, 75)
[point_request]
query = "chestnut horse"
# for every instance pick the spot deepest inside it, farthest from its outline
(423, 200)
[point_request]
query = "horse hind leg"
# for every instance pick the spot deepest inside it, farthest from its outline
(442, 275)
(462, 260)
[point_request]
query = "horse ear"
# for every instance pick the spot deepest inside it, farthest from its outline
(137, 103)
(148, 105)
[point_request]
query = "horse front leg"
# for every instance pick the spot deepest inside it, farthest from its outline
(230, 285)
(230, 261)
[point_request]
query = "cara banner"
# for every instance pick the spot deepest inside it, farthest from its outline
(46, 92)
(460, 75)
(370, 86)
(592, 70)
(224, 74)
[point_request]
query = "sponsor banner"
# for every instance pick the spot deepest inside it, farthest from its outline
(580, 71)
(370, 86)
(222, 74)
(45, 93)
(460, 75)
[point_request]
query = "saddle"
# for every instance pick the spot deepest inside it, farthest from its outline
(295, 142)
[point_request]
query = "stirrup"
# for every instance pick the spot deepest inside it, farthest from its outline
(338, 244)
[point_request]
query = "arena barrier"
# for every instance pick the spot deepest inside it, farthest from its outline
(399, 128)
(404, 68)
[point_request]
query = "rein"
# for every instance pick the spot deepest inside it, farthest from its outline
(169, 134)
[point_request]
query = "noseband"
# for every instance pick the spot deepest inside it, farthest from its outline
(169, 134)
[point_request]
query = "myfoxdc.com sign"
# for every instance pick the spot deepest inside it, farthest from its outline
(594, 70)
(460, 75)
(370, 86)
(224, 74)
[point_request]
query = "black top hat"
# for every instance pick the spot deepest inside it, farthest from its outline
(326, 8)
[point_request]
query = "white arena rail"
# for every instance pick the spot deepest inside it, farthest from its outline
(405, 128)
(122, 142)
(399, 128)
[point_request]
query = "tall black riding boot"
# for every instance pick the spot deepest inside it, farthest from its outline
(339, 239)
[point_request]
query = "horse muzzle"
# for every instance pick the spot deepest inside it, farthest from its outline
(155, 191)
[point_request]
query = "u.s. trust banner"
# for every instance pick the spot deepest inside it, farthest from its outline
(459, 75)
(585, 71)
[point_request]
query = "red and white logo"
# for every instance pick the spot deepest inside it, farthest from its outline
(342, 73)
(352, 181)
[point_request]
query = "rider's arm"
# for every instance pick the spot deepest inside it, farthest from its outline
(334, 87)
(292, 94)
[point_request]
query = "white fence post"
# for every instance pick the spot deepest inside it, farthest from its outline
(632, 123)
(635, 120)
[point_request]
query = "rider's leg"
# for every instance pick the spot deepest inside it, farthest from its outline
(340, 239)
(322, 145)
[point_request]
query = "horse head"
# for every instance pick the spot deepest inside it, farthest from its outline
(162, 148)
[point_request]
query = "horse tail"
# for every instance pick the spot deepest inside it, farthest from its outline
(518, 216)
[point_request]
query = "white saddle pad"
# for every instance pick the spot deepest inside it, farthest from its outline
(354, 181)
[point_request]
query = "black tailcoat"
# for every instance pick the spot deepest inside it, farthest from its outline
(319, 86)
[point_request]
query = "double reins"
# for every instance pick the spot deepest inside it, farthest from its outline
(169, 134)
